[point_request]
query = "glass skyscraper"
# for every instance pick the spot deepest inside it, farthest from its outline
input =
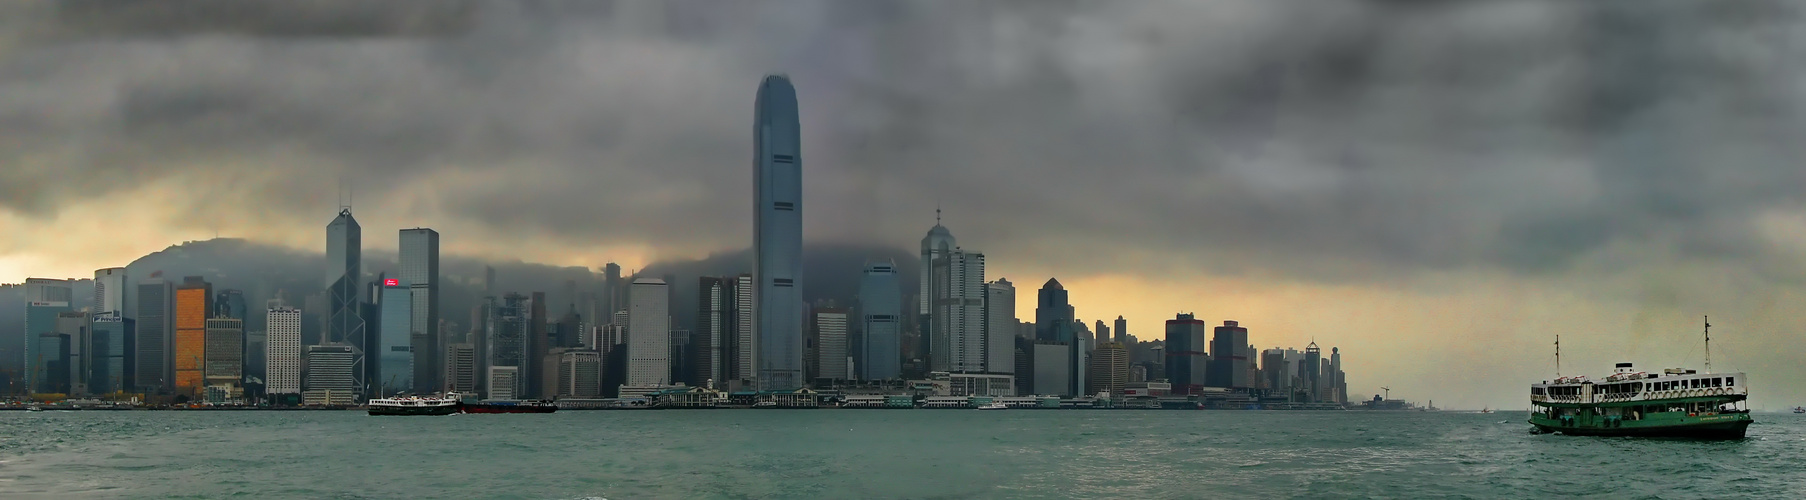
(153, 336)
(344, 267)
(880, 316)
(778, 235)
(44, 300)
(420, 270)
(395, 361)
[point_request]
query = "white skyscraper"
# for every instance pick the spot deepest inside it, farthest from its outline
(648, 333)
(282, 351)
(743, 323)
(109, 291)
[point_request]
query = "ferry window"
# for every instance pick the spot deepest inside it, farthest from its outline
(1730, 381)
(1717, 382)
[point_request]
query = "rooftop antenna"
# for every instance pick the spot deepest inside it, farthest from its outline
(1708, 321)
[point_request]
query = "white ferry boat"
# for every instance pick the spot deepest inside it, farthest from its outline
(415, 405)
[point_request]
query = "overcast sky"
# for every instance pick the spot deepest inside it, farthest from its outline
(1436, 187)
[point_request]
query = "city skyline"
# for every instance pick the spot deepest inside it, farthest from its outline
(1449, 228)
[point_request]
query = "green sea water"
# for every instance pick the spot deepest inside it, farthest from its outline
(873, 454)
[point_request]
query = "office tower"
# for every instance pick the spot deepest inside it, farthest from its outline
(1109, 369)
(256, 346)
(579, 373)
(1228, 357)
(957, 323)
(420, 270)
(507, 345)
(1338, 387)
(538, 346)
(746, 356)
(331, 375)
(314, 319)
(613, 295)
(194, 300)
(395, 360)
(936, 245)
(282, 351)
(461, 368)
(109, 366)
(714, 329)
(648, 334)
(229, 304)
(1000, 327)
(109, 291)
(72, 327)
(1053, 369)
(44, 300)
(1122, 332)
(881, 318)
(1273, 373)
(1313, 372)
(778, 235)
(830, 343)
(370, 351)
(223, 352)
(50, 363)
(1185, 361)
(1054, 322)
(677, 350)
(344, 270)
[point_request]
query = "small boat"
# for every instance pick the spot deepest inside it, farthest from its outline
(1799, 409)
(529, 406)
(40, 408)
(995, 406)
(414, 405)
(1485, 409)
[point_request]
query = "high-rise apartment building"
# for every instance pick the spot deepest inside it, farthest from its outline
(282, 351)
(1000, 326)
(420, 270)
(881, 321)
(830, 343)
(1185, 359)
(193, 305)
(648, 333)
(344, 274)
(778, 235)
(397, 337)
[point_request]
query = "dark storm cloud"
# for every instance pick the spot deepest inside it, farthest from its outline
(1377, 135)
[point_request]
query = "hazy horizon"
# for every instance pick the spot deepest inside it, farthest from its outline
(1437, 189)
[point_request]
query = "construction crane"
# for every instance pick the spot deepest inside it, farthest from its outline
(1388, 392)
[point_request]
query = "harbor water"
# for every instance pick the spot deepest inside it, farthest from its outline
(872, 454)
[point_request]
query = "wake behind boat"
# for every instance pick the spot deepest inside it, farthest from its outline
(415, 405)
(510, 407)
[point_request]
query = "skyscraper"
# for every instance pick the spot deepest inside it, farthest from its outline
(1313, 372)
(344, 269)
(109, 291)
(507, 334)
(648, 334)
(1229, 357)
(532, 364)
(110, 331)
(881, 319)
(331, 375)
(224, 352)
(282, 351)
(1054, 323)
(1109, 369)
(1185, 359)
(1122, 332)
(73, 367)
(714, 329)
(229, 303)
(194, 300)
(745, 335)
(44, 300)
(936, 245)
(1000, 327)
(395, 362)
(777, 235)
(154, 336)
(956, 316)
(830, 343)
(420, 270)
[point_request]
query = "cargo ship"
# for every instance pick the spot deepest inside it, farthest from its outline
(530, 406)
(414, 405)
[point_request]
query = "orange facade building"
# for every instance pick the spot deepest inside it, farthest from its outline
(192, 306)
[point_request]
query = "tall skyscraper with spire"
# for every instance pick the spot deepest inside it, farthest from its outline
(344, 268)
(778, 235)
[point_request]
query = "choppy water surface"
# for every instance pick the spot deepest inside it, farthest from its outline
(873, 454)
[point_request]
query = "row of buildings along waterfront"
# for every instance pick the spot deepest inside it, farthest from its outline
(362, 334)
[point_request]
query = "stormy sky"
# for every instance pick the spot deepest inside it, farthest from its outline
(1436, 187)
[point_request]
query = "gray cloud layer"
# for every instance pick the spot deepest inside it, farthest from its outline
(1325, 138)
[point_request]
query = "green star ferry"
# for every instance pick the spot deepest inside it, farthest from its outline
(1677, 402)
